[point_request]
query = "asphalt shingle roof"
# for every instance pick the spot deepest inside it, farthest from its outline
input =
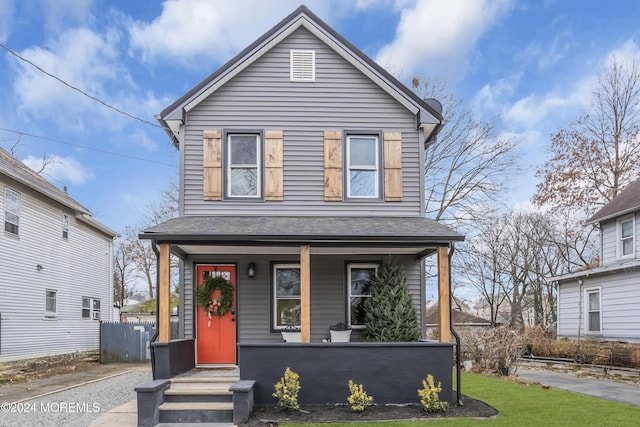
(628, 200)
(18, 171)
(302, 228)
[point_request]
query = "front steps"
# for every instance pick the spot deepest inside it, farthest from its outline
(199, 396)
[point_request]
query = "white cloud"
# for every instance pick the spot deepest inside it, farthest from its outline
(65, 170)
(61, 14)
(492, 95)
(6, 19)
(195, 29)
(81, 58)
(436, 38)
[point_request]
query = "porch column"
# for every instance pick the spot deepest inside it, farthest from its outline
(444, 325)
(305, 295)
(163, 294)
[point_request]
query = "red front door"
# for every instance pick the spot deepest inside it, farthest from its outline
(216, 337)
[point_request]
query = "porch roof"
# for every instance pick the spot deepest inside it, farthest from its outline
(418, 234)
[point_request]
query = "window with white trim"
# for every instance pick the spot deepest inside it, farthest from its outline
(11, 211)
(363, 166)
(90, 308)
(626, 237)
(593, 311)
(65, 226)
(244, 165)
(286, 295)
(302, 65)
(50, 302)
(358, 281)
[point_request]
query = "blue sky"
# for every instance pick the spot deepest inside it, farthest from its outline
(529, 64)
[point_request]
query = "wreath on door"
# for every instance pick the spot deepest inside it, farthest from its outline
(213, 306)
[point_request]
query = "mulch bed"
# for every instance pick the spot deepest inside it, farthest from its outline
(272, 415)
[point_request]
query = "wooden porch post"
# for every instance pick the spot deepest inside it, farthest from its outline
(444, 326)
(163, 294)
(305, 295)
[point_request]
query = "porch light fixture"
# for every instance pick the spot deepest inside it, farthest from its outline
(251, 270)
(39, 267)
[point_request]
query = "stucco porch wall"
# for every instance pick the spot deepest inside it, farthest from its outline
(390, 372)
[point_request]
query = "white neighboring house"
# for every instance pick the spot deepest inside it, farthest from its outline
(56, 268)
(604, 302)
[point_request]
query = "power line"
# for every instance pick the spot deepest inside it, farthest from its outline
(12, 52)
(87, 148)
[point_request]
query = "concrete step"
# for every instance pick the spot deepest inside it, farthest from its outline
(198, 392)
(196, 412)
(205, 379)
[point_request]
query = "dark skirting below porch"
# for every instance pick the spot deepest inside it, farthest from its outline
(172, 358)
(390, 372)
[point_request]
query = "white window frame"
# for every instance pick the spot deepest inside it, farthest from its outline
(50, 295)
(356, 266)
(274, 322)
(16, 211)
(588, 311)
(257, 166)
(65, 226)
(93, 312)
(302, 65)
(621, 239)
(349, 167)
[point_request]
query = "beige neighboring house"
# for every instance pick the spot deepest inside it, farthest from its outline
(56, 268)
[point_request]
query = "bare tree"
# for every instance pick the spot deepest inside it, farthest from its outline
(481, 264)
(124, 272)
(164, 208)
(12, 148)
(509, 261)
(467, 167)
(597, 155)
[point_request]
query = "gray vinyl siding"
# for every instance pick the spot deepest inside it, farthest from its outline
(262, 97)
(328, 292)
(609, 233)
(619, 299)
(76, 267)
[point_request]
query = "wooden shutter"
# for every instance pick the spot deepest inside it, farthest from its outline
(212, 165)
(393, 166)
(273, 164)
(333, 165)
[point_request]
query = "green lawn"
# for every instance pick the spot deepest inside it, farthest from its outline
(530, 405)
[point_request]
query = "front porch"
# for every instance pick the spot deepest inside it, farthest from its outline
(392, 372)
(322, 250)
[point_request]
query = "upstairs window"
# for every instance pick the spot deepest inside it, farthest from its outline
(626, 237)
(11, 211)
(363, 166)
(65, 226)
(359, 279)
(303, 66)
(244, 166)
(286, 301)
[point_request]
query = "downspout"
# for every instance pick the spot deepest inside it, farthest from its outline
(157, 333)
(454, 333)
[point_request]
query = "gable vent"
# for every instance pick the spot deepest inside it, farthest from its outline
(303, 66)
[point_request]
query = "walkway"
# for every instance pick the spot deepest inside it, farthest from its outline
(602, 388)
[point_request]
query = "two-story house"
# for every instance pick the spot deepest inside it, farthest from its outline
(56, 271)
(604, 302)
(301, 169)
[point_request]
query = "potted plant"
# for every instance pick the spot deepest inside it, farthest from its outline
(340, 333)
(291, 334)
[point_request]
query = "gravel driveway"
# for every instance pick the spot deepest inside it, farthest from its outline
(77, 406)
